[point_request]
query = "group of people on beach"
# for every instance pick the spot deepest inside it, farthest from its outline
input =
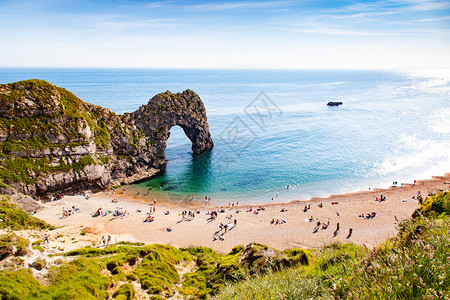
(188, 214)
(277, 221)
(324, 226)
(219, 235)
(106, 241)
(58, 196)
(69, 212)
(149, 218)
(381, 199)
(212, 214)
(368, 216)
(101, 212)
(119, 212)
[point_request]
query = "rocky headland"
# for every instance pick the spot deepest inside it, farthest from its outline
(52, 141)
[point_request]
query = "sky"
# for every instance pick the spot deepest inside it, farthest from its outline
(306, 34)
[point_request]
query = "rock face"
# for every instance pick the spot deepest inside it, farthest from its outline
(167, 110)
(51, 141)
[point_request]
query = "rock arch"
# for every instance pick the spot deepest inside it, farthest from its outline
(166, 110)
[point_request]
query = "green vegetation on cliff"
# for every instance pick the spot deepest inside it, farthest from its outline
(159, 270)
(14, 218)
(55, 119)
(45, 130)
(413, 265)
(79, 279)
(11, 244)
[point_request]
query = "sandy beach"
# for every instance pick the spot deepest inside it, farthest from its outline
(295, 229)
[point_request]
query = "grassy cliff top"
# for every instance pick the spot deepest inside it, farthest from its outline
(413, 265)
(12, 217)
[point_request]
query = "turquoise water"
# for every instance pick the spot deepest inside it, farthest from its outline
(391, 127)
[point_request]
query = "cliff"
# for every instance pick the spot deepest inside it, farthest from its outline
(52, 141)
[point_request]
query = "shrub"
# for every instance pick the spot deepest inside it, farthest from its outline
(12, 244)
(18, 284)
(17, 219)
(435, 206)
(125, 292)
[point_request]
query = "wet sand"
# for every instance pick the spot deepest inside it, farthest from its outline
(251, 227)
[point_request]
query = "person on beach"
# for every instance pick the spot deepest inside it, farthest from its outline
(103, 241)
(350, 231)
(337, 230)
(109, 239)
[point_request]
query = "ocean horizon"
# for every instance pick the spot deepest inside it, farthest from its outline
(273, 129)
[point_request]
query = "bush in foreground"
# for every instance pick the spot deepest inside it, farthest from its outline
(16, 219)
(413, 265)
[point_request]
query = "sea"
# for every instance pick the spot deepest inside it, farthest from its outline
(275, 138)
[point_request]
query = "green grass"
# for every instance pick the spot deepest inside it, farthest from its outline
(435, 206)
(11, 244)
(413, 265)
(79, 279)
(125, 292)
(19, 284)
(14, 218)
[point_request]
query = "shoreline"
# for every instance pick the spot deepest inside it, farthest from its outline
(252, 226)
(268, 197)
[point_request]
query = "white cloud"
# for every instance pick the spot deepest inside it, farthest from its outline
(218, 6)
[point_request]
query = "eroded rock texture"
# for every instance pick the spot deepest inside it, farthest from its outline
(51, 141)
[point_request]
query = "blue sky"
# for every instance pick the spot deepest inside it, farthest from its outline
(391, 34)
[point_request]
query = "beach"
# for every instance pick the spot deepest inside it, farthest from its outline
(371, 221)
